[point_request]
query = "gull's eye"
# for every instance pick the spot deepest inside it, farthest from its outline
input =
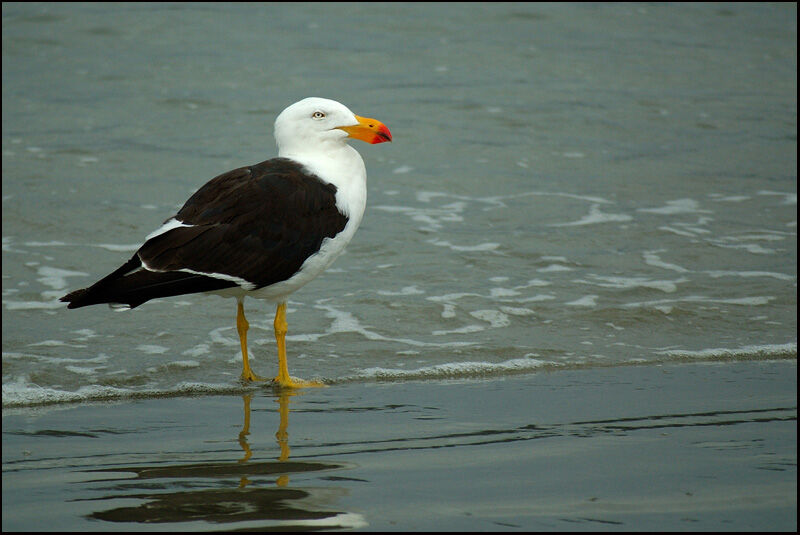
(318, 115)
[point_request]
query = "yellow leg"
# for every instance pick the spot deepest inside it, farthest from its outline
(281, 328)
(284, 379)
(242, 326)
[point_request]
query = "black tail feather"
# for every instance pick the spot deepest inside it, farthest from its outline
(131, 286)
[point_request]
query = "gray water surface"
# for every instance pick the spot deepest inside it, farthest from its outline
(569, 186)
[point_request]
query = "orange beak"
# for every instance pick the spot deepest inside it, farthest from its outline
(369, 130)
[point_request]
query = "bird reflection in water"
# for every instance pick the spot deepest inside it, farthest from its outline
(178, 493)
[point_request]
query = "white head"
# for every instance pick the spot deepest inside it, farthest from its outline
(314, 122)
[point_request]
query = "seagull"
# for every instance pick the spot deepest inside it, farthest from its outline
(263, 230)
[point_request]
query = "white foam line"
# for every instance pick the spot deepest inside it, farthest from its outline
(406, 290)
(651, 258)
(488, 246)
(151, 349)
(32, 305)
(7, 242)
(448, 298)
(466, 370)
(678, 232)
(597, 200)
(536, 298)
(665, 286)
(766, 350)
(748, 301)
(56, 278)
(552, 268)
(780, 276)
(753, 248)
(55, 343)
(459, 369)
(122, 248)
(678, 206)
(495, 318)
(101, 358)
(53, 243)
(585, 301)
(466, 329)
(345, 322)
(435, 217)
(81, 370)
(594, 217)
(20, 393)
(108, 246)
(517, 311)
(717, 197)
(499, 292)
(426, 196)
(789, 197)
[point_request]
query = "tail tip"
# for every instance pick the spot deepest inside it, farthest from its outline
(73, 299)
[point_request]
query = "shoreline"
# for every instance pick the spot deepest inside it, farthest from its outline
(465, 371)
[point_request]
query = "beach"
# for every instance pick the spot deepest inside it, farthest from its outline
(683, 447)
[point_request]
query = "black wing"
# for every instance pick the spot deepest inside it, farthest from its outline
(257, 224)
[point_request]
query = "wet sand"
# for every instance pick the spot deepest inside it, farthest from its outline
(682, 447)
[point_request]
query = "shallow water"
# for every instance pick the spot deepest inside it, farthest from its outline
(688, 447)
(570, 186)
